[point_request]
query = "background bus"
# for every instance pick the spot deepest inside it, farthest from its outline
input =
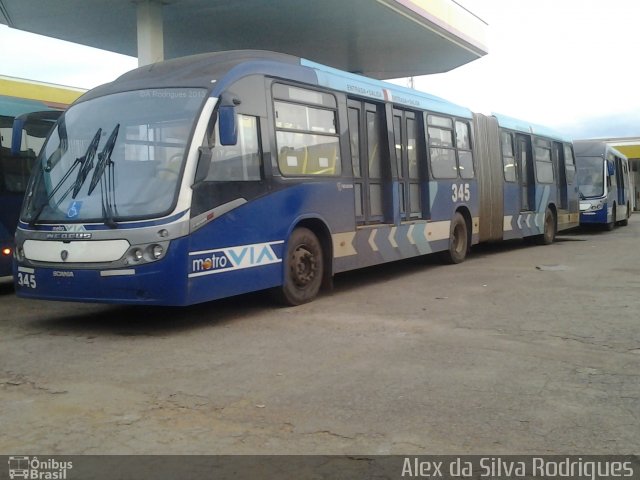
(36, 105)
(605, 184)
(219, 174)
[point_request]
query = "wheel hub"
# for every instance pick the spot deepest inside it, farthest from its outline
(303, 266)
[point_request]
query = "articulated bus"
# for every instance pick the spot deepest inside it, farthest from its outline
(32, 107)
(218, 174)
(605, 184)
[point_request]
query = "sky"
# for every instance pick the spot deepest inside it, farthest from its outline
(573, 65)
(568, 64)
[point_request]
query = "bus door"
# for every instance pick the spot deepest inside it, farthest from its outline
(526, 177)
(620, 181)
(370, 162)
(561, 174)
(406, 134)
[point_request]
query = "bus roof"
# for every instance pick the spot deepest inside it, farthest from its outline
(594, 148)
(203, 69)
(377, 89)
(527, 127)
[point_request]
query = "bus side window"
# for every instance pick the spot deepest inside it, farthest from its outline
(508, 159)
(240, 162)
(307, 140)
(465, 156)
(544, 166)
(442, 155)
(570, 164)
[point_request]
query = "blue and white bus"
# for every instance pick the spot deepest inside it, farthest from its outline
(32, 108)
(218, 174)
(605, 184)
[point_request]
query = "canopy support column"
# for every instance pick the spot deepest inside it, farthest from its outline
(150, 33)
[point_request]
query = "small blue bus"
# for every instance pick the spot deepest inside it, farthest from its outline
(17, 156)
(219, 174)
(605, 184)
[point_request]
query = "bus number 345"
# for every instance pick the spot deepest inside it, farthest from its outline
(27, 280)
(460, 193)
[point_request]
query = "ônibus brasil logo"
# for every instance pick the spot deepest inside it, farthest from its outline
(233, 258)
(38, 469)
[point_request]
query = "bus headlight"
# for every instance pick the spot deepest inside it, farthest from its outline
(157, 251)
(140, 254)
(6, 251)
(591, 206)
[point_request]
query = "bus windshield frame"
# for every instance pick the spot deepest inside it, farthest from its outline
(591, 176)
(122, 153)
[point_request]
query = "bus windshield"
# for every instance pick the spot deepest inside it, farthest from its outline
(116, 157)
(591, 176)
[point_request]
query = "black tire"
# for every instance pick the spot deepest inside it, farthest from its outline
(625, 222)
(549, 235)
(303, 268)
(610, 226)
(458, 241)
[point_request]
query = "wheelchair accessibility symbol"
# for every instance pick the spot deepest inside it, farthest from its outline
(74, 209)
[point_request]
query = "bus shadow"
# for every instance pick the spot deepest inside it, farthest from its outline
(6, 286)
(592, 230)
(131, 321)
(363, 277)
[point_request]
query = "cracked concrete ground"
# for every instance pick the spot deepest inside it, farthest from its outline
(493, 356)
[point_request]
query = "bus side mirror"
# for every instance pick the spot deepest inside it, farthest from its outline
(16, 136)
(204, 163)
(228, 125)
(611, 169)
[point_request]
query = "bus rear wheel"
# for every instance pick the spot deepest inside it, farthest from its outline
(303, 268)
(458, 241)
(549, 235)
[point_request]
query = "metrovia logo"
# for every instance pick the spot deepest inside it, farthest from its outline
(234, 258)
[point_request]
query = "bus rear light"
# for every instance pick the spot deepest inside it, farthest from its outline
(6, 251)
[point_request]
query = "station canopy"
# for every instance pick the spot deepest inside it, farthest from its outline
(378, 38)
(630, 147)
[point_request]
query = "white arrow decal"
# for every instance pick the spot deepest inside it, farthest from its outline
(412, 240)
(372, 242)
(391, 237)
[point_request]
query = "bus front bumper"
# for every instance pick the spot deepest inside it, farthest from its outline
(143, 285)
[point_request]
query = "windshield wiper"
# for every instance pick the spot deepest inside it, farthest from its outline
(107, 185)
(84, 161)
(87, 163)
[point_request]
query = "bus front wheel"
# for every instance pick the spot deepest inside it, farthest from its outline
(549, 235)
(625, 221)
(609, 226)
(458, 241)
(303, 268)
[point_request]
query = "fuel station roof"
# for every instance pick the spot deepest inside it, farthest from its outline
(630, 147)
(377, 38)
